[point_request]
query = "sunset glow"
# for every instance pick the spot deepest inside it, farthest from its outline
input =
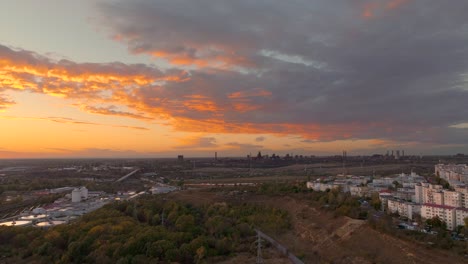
(149, 79)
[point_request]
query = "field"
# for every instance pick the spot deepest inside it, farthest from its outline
(301, 172)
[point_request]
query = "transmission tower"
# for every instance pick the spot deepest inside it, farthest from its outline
(259, 249)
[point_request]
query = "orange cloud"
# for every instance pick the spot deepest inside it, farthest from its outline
(197, 143)
(226, 60)
(66, 120)
(147, 94)
(244, 107)
(395, 4)
(242, 101)
(245, 94)
(308, 131)
(111, 110)
(201, 105)
(27, 70)
(369, 10)
(5, 103)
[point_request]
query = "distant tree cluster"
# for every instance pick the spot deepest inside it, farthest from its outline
(442, 182)
(147, 230)
(282, 188)
(341, 203)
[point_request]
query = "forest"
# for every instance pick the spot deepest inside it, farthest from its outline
(149, 229)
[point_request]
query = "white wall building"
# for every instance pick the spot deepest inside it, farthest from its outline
(429, 193)
(361, 191)
(418, 193)
(460, 215)
(452, 172)
(84, 193)
(452, 198)
(384, 181)
(445, 214)
(76, 196)
(403, 208)
(463, 196)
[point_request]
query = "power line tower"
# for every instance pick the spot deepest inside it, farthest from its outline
(259, 249)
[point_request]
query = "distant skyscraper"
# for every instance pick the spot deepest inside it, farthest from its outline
(259, 155)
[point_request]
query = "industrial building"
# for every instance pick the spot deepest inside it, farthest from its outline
(73, 205)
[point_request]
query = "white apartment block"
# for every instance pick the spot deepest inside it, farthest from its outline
(361, 191)
(322, 187)
(463, 196)
(403, 208)
(452, 172)
(452, 198)
(429, 193)
(384, 181)
(418, 193)
(461, 214)
(445, 213)
(405, 194)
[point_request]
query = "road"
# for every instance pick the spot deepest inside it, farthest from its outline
(128, 175)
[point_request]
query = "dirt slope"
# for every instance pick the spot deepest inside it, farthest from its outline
(319, 237)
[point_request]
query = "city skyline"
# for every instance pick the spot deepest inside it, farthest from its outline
(110, 78)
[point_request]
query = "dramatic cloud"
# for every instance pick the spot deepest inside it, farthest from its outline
(199, 143)
(93, 82)
(391, 70)
(75, 153)
(66, 120)
(111, 110)
(5, 102)
(260, 139)
(324, 67)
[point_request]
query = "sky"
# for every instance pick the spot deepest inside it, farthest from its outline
(159, 78)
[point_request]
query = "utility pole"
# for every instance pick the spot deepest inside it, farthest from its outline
(250, 164)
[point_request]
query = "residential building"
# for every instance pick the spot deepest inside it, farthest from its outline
(383, 181)
(443, 212)
(418, 193)
(461, 214)
(403, 208)
(429, 193)
(405, 194)
(361, 191)
(453, 173)
(452, 198)
(384, 196)
(463, 195)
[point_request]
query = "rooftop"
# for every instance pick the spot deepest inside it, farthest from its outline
(439, 206)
